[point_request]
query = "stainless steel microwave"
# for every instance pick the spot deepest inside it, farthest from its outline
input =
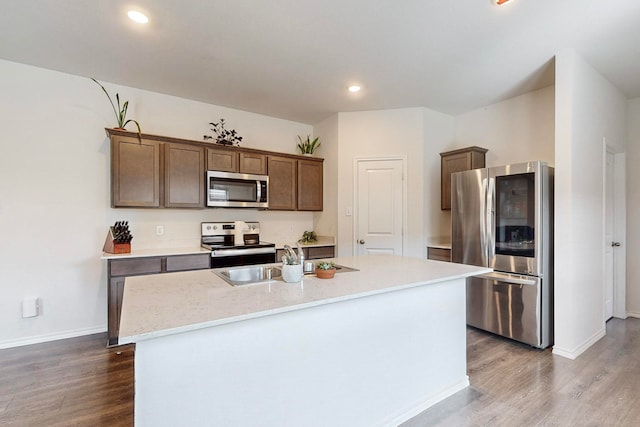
(237, 190)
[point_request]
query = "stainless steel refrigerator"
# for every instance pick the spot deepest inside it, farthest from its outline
(502, 217)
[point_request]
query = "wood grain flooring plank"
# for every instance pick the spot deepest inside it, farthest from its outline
(74, 382)
(79, 382)
(516, 385)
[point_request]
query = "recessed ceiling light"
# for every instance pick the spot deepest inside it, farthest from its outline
(138, 17)
(354, 88)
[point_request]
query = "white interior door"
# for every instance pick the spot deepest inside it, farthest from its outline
(614, 235)
(609, 236)
(380, 207)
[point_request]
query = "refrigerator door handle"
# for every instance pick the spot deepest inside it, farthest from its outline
(490, 212)
(508, 278)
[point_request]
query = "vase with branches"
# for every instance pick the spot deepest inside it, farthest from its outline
(222, 135)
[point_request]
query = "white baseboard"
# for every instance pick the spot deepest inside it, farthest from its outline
(633, 314)
(574, 353)
(51, 337)
(423, 404)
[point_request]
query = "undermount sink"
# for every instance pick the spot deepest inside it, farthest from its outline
(249, 275)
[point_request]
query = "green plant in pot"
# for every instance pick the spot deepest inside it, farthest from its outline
(307, 146)
(291, 265)
(308, 237)
(222, 135)
(121, 111)
(325, 269)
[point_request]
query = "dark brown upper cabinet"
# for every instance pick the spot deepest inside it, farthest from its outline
(309, 185)
(219, 159)
(253, 163)
(282, 183)
(135, 172)
(183, 176)
(457, 161)
(159, 171)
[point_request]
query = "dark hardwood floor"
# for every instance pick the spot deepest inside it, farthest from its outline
(72, 382)
(515, 385)
(79, 382)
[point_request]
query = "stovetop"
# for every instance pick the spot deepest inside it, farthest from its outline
(252, 246)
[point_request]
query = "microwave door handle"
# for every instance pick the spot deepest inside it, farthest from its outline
(258, 191)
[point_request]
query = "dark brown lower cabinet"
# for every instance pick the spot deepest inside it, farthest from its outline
(314, 252)
(119, 269)
(439, 254)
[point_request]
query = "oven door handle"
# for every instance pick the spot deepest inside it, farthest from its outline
(236, 252)
(508, 278)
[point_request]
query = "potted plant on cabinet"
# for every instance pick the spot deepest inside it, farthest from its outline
(224, 136)
(325, 269)
(121, 111)
(307, 146)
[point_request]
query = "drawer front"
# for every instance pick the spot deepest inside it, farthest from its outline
(321, 252)
(135, 266)
(189, 262)
(439, 254)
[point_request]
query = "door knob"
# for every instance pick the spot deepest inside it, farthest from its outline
(615, 244)
(361, 241)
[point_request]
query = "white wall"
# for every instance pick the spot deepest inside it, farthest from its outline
(633, 207)
(326, 222)
(588, 109)
(438, 133)
(374, 134)
(517, 130)
(54, 193)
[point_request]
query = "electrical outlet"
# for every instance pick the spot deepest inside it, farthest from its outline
(159, 230)
(31, 307)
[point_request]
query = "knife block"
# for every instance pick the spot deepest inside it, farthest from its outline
(112, 247)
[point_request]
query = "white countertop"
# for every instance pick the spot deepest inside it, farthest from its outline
(439, 242)
(141, 253)
(194, 250)
(163, 304)
(322, 241)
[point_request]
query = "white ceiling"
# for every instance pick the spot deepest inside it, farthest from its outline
(294, 58)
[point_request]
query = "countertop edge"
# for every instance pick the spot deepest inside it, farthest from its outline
(263, 313)
(145, 253)
(322, 241)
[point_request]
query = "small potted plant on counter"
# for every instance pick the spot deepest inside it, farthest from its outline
(292, 265)
(325, 269)
(308, 237)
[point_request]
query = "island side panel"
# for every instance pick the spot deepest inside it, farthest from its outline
(375, 360)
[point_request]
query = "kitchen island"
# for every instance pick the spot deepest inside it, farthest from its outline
(368, 347)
